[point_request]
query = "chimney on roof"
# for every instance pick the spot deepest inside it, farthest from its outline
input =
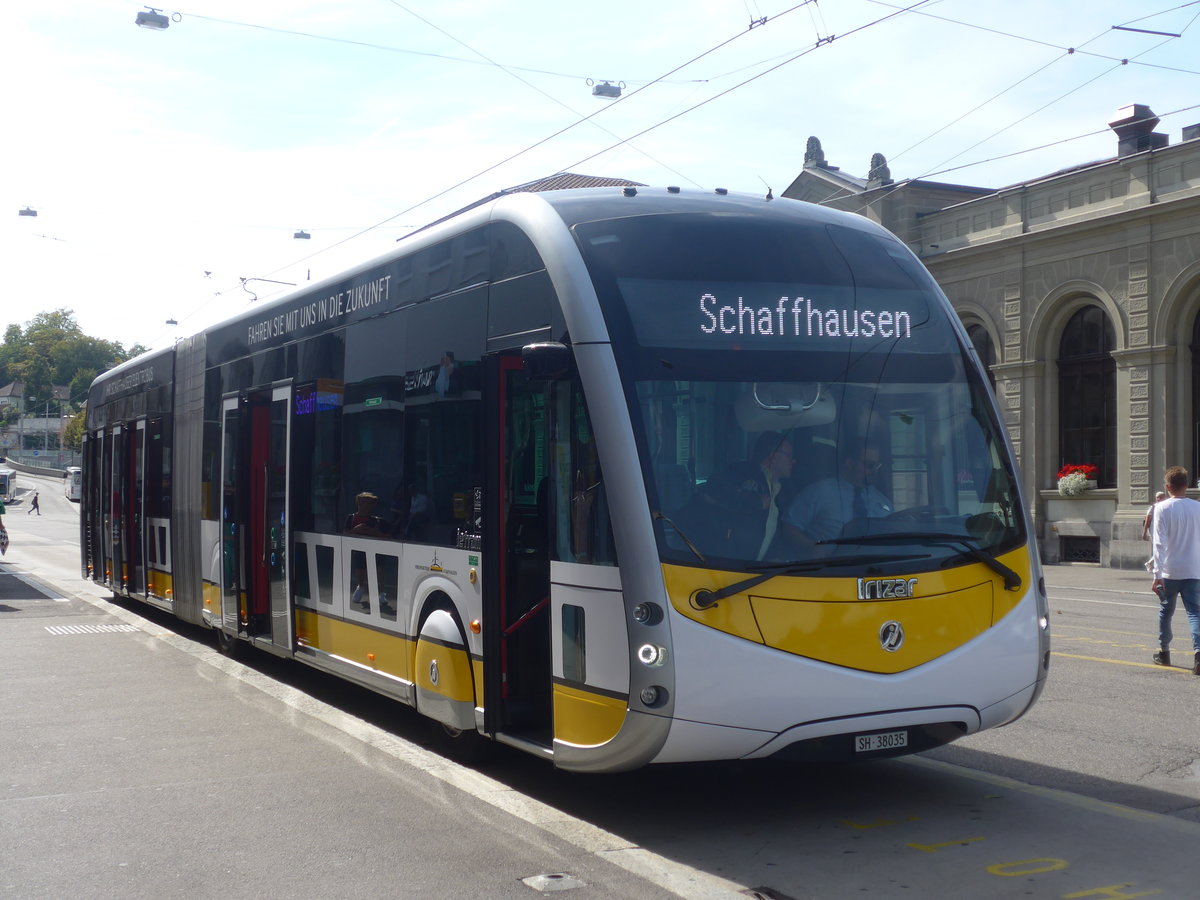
(1134, 126)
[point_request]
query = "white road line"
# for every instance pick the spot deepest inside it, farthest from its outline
(1153, 604)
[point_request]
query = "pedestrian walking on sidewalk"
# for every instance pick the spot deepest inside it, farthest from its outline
(33, 507)
(1176, 542)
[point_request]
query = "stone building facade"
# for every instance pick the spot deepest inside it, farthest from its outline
(1081, 292)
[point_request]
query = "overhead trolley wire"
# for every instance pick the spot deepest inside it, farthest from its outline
(371, 45)
(512, 73)
(753, 78)
(553, 135)
(1069, 50)
(1057, 143)
(936, 170)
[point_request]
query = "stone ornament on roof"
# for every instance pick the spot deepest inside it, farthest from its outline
(879, 173)
(813, 154)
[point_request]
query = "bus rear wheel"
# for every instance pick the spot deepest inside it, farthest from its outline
(227, 644)
(467, 747)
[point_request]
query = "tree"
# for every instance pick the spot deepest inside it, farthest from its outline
(52, 349)
(73, 433)
(38, 387)
(12, 350)
(80, 383)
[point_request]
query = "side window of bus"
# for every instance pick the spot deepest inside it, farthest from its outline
(371, 406)
(442, 463)
(583, 529)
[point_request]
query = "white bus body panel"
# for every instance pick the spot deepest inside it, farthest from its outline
(596, 590)
(984, 683)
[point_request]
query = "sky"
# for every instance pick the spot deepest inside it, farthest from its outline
(166, 166)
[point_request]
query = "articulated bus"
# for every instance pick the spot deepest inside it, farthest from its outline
(512, 475)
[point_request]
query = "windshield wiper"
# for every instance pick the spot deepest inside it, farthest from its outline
(705, 599)
(970, 546)
(659, 515)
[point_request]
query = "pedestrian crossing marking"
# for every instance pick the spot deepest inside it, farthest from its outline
(90, 629)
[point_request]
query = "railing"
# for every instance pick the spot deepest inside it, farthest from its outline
(36, 461)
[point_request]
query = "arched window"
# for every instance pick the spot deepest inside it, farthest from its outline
(1195, 348)
(982, 342)
(1087, 394)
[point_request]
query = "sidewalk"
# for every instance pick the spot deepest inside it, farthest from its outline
(1092, 577)
(140, 764)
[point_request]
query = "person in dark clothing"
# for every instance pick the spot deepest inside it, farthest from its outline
(363, 520)
(741, 517)
(34, 507)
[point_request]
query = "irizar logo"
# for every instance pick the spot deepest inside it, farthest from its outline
(891, 636)
(886, 588)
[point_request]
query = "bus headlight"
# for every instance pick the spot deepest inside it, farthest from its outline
(652, 655)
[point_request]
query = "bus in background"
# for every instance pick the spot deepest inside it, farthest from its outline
(73, 482)
(566, 471)
(8, 484)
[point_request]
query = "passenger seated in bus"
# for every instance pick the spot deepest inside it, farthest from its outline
(823, 509)
(735, 513)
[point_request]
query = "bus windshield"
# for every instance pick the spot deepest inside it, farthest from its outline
(846, 465)
(801, 395)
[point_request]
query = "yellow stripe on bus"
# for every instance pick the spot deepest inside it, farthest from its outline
(160, 584)
(586, 719)
(389, 653)
(455, 679)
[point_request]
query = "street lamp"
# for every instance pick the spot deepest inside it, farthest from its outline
(152, 19)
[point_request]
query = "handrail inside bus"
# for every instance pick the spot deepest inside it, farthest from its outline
(786, 407)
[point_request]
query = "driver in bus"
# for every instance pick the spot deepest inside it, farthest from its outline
(823, 509)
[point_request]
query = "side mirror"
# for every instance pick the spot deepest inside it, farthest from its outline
(547, 361)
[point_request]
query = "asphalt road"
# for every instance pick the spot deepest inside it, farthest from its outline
(1111, 725)
(142, 763)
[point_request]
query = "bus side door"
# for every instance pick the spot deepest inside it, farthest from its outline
(517, 680)
(256, 596)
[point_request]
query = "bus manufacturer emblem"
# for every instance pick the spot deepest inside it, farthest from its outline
(886, 588)
(891, 636)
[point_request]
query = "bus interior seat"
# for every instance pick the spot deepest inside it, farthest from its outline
(815, 459)
(675, 486)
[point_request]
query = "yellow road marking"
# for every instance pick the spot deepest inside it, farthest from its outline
(1120, 662)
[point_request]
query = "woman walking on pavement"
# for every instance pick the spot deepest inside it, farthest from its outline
(34, 505)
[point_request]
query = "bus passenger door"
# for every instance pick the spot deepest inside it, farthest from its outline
(271, 442)
(254, 583)
(517, 605)
(234, 616)
(134, 517)
(117, 569)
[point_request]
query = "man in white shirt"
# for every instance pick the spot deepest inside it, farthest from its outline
(1176, 542)
(823, 509)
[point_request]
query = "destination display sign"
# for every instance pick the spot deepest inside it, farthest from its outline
(773, 316)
